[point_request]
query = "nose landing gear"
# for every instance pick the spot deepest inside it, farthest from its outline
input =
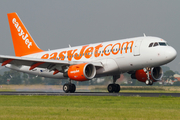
(148, 81)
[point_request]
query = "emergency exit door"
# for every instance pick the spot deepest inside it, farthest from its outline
(137, 47)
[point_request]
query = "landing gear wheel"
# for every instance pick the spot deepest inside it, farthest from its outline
(69, 88)
(73, 88)
(110, 88)
(113, 88)
(66, 88)
(117, 88)
(150, 82)
(147, 82)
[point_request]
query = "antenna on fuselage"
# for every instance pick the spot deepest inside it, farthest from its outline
(144, 34)
(69, 46)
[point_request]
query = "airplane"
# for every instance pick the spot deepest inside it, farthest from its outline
(140, 56)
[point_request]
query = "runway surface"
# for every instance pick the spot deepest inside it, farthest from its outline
(92, 94)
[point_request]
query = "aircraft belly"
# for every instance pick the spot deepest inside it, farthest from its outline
(110, 67)
(129, 63)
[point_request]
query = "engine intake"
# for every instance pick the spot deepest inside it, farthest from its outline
(155, 74)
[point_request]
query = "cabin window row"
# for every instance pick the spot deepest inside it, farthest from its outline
(106, 51)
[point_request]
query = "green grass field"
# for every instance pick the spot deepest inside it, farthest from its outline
(89, 107)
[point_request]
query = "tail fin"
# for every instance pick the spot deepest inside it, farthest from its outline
(22, 40)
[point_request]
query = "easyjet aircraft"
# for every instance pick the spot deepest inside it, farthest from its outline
(141, 57)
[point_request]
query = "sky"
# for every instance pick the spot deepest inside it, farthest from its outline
(55, 24)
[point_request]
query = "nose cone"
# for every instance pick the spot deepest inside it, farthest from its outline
(170, 53)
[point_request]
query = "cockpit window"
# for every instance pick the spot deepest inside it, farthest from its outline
(162, 44)
(156, 44)
(151, 44)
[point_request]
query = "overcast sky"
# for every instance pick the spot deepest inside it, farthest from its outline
(56, 23)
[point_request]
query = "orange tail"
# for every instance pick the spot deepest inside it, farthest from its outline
(22, 40)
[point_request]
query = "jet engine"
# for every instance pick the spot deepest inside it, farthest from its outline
(155, 74)
(81, 72)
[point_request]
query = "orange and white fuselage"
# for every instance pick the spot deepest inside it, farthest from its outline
(87, 61)
(117, 56)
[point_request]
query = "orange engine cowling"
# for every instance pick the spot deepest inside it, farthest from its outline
(81, 72)
(155, 74)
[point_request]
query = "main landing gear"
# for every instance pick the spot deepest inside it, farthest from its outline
(114, 87)
(69, 87)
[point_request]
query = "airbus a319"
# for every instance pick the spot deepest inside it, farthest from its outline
(140, 56)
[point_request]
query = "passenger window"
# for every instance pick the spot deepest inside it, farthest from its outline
(151, 44)
(156, 44)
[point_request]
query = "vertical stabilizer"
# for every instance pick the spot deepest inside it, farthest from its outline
(22, 40)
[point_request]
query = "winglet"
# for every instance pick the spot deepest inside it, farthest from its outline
(22, 40)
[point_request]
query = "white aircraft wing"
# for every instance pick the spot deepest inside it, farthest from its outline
(43, 63)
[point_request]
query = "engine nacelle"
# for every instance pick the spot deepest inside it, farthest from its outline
(81, 72)
(155, 74)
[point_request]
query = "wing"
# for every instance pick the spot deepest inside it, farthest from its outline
(42, 63)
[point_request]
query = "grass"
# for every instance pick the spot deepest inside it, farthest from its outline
(89, 107)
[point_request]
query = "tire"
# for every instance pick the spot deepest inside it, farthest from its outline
(73, 88)
(150, 82)
(66, 88)
(117, 88)
(110, 88)
(147, 82)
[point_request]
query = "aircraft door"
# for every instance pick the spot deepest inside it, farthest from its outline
(137, 47)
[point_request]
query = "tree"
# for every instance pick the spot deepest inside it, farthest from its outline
(165, 68)
(169, 75)
(25, 78)
(15, 77)
(177, 83)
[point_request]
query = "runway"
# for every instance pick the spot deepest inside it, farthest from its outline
(92, 94)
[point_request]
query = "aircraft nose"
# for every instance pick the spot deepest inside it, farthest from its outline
(170, 53)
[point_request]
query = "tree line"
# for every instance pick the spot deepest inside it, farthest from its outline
(15, 77)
